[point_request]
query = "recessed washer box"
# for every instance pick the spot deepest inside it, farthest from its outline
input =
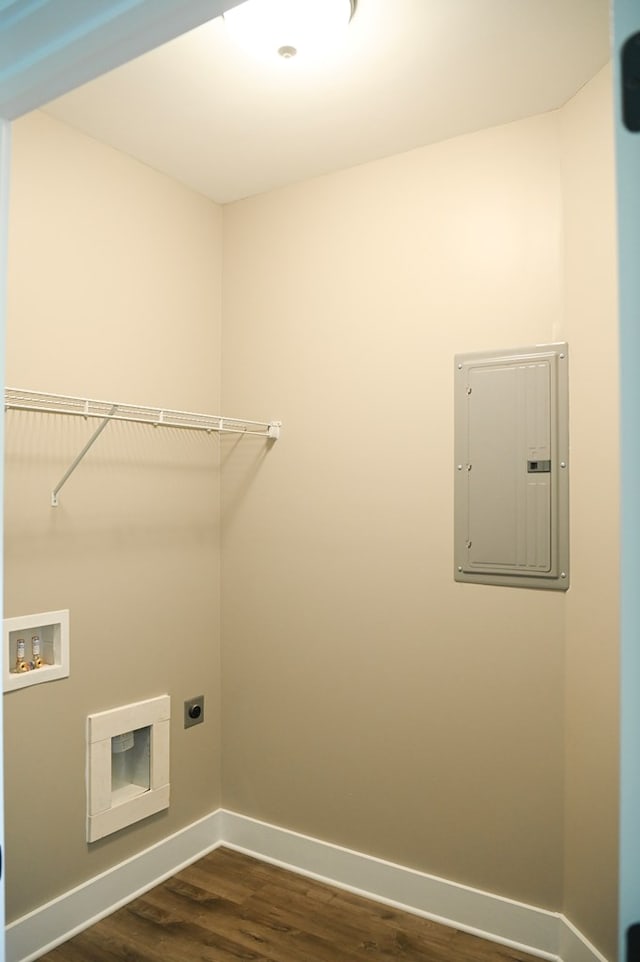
(512, 467)
(127, 765)
(51, 628)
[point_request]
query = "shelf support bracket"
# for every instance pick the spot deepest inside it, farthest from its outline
(74, 464)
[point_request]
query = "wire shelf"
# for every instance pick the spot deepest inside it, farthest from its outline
(19, 399)
(23, 400)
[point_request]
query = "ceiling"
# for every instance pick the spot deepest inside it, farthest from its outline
(409, 73)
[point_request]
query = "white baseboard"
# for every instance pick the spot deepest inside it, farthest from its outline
(47, 926)
(574, 947)
(547, 935)
(490, 916)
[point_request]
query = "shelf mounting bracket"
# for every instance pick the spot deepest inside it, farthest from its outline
(74, 464)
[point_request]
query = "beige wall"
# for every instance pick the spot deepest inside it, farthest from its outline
(368, 699)
(591, 756)
(439, 725)
(114, 292)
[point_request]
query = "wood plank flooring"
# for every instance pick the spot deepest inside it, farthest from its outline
(228, 907)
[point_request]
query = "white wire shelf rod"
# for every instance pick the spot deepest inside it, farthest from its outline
(161, 419)
(23, 400)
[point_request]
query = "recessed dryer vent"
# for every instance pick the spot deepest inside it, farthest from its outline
(128, 765)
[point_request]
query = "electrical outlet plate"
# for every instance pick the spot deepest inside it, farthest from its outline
(194, 711)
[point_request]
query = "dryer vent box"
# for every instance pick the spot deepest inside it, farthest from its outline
(512, 467)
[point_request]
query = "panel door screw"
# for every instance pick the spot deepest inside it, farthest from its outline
(563, 574)
(563, 464)
(459, 467)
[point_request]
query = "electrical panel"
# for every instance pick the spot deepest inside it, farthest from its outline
(512, 467)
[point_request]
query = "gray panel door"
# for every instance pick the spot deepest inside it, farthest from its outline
(511, 453)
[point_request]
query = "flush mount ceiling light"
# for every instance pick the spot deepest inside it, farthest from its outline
(286, 29)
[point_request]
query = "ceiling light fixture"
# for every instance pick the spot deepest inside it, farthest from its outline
(286, 29)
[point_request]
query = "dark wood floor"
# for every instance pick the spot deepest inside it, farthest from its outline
(228, 907)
